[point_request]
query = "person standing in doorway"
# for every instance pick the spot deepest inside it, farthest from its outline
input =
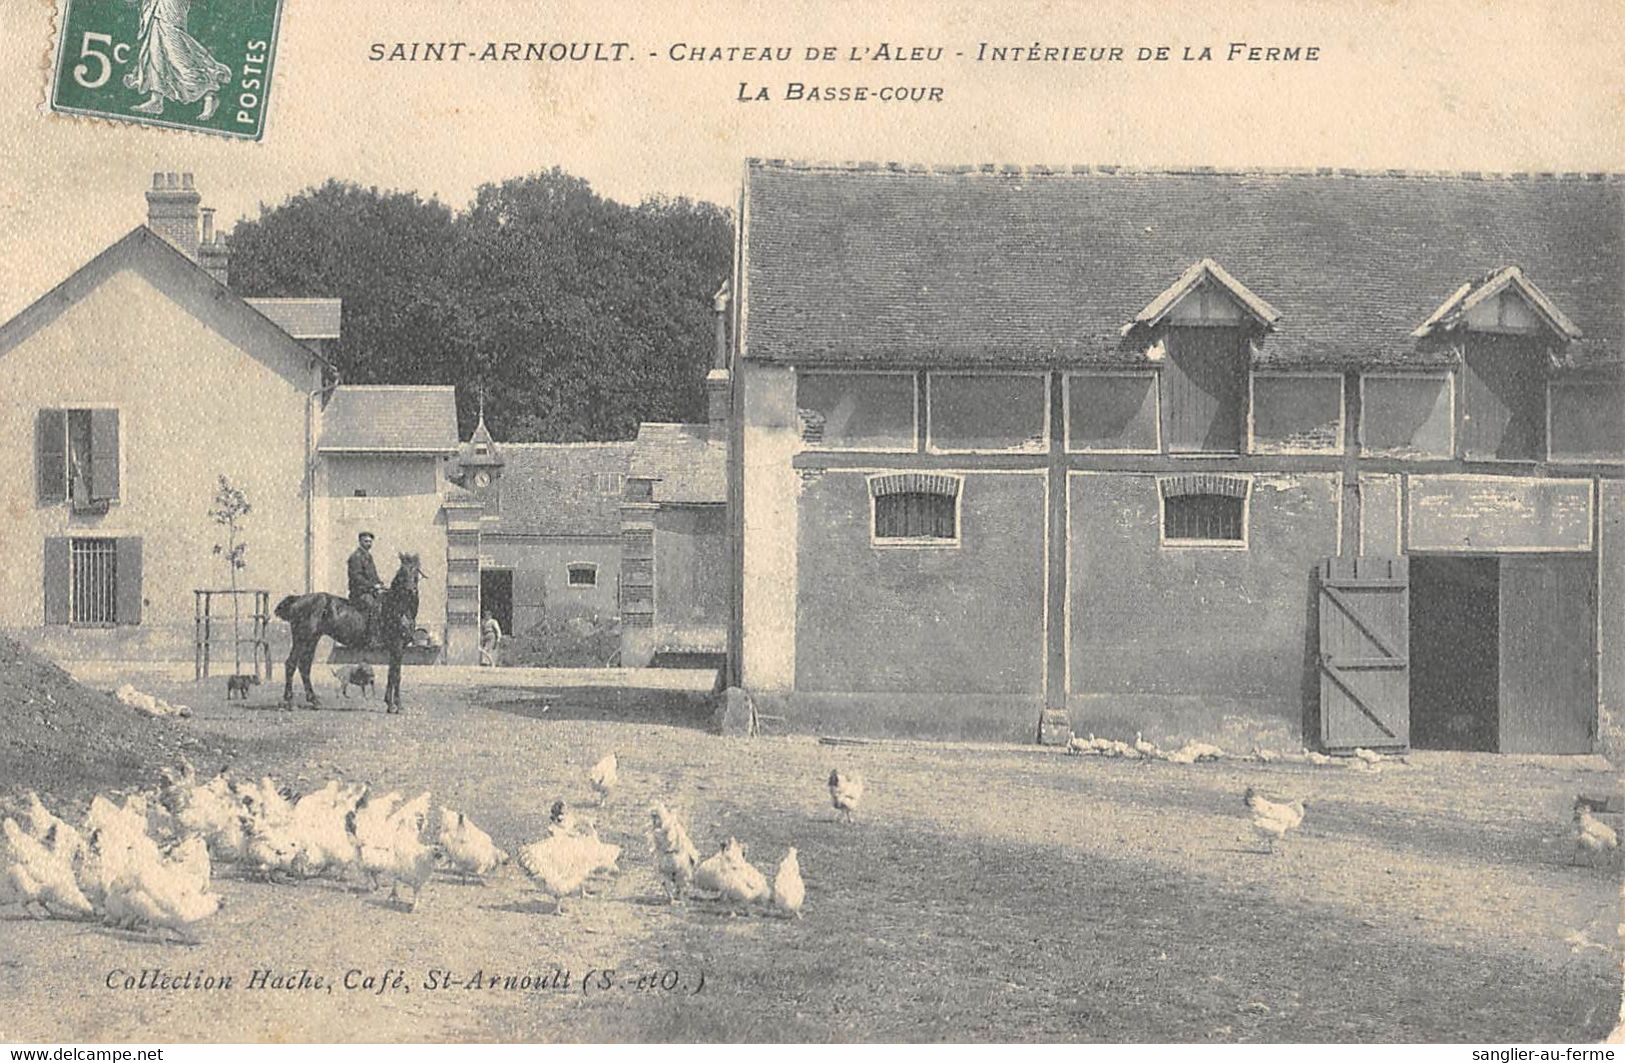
(490, 636)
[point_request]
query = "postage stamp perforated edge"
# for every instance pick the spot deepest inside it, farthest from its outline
(50, 64)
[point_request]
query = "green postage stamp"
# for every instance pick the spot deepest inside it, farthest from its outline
(187, 64)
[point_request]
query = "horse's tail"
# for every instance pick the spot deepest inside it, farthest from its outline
(284, 608)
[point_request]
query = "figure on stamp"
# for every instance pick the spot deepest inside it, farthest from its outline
(170, 63)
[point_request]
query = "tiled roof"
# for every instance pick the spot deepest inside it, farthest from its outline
(390, 418)
(303, 319)
(685, 463)
(863, 264)
(561, 489)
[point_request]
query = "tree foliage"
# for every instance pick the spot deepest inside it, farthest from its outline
(577, 315)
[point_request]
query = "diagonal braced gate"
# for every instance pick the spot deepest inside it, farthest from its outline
(1364, 653)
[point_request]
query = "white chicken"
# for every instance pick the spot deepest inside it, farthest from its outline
(215, 810)
(468, 849)
(392, 846)
(1590, 834)
(318, 826)
(1146, 749)
(845, 792)
(1193, 751)
(35, 872)
(65, 840)
(729, 875)
(168, 893)
(675, 854)
(788, 889)
(567, 858)
(605, 776)
(1273, 820)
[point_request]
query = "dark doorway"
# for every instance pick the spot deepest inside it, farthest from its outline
(1455, 652)
(496, 596)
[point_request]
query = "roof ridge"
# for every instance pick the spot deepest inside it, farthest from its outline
(582, 443)
(1008, 170)
(398, 387)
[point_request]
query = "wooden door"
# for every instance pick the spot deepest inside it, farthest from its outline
(1548, 655)
(1365, 697)
(1204, 399)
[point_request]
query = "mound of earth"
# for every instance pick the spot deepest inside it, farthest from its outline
(66, 740)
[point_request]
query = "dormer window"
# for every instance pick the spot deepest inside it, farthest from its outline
(1200, 332)
(1509, 332)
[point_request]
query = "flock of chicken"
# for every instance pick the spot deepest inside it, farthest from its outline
(1274, 817)
(148, 863)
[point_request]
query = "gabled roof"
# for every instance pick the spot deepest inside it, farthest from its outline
(685, 463)
(303, 319)
(390, 418)
(1203, 272)
(1454, 309)
(857, 265)
(561, 489)
(141, 246)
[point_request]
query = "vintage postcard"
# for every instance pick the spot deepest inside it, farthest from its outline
(815, 522)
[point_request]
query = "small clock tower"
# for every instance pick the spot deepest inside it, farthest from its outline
(481, 464)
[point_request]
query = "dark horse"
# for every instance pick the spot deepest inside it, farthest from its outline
(310, 616)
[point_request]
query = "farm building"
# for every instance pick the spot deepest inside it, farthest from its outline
(134, 385)
(1328, 458)
(674, 531)
(550, 527)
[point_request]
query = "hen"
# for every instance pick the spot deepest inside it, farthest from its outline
(468, 849)
(675, 854)
(391, 844)
(562, 862)
(732, 877)
(845, 792)
(788, 889)
(1591, 835)
(1273, 820)
(605, 776)
(35, 872)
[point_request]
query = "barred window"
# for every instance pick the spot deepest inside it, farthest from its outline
(1204, 508)
(94, 586)
(582, 574)
(915, 508)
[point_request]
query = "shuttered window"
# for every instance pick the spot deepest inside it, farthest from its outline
(93, 582)
(77, 457)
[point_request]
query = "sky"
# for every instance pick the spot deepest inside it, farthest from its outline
(1486, 85)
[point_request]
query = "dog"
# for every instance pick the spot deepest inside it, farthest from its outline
(359, 675)
(237, 685)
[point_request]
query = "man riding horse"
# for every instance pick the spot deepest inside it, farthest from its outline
(365, 586)
(366, 619)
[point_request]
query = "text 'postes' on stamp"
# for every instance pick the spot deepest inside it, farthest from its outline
(186, 64)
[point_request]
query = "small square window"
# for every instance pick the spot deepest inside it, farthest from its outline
(583, 575)
(915, 509)
(1204, 509)
(360, 492)
(1203, 518)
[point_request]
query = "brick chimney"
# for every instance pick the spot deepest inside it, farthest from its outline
(719, 381)
(172, 211)
(213, 254)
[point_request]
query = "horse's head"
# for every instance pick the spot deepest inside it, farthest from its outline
(409, 573)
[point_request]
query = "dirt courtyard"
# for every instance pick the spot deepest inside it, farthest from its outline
(984, 893)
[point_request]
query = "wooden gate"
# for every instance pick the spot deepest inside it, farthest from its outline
(1365, 697)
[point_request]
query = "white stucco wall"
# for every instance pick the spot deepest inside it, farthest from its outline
(192, 405)
(402, 509)
(771, 438)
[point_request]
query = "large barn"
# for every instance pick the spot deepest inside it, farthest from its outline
(1329, 458)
